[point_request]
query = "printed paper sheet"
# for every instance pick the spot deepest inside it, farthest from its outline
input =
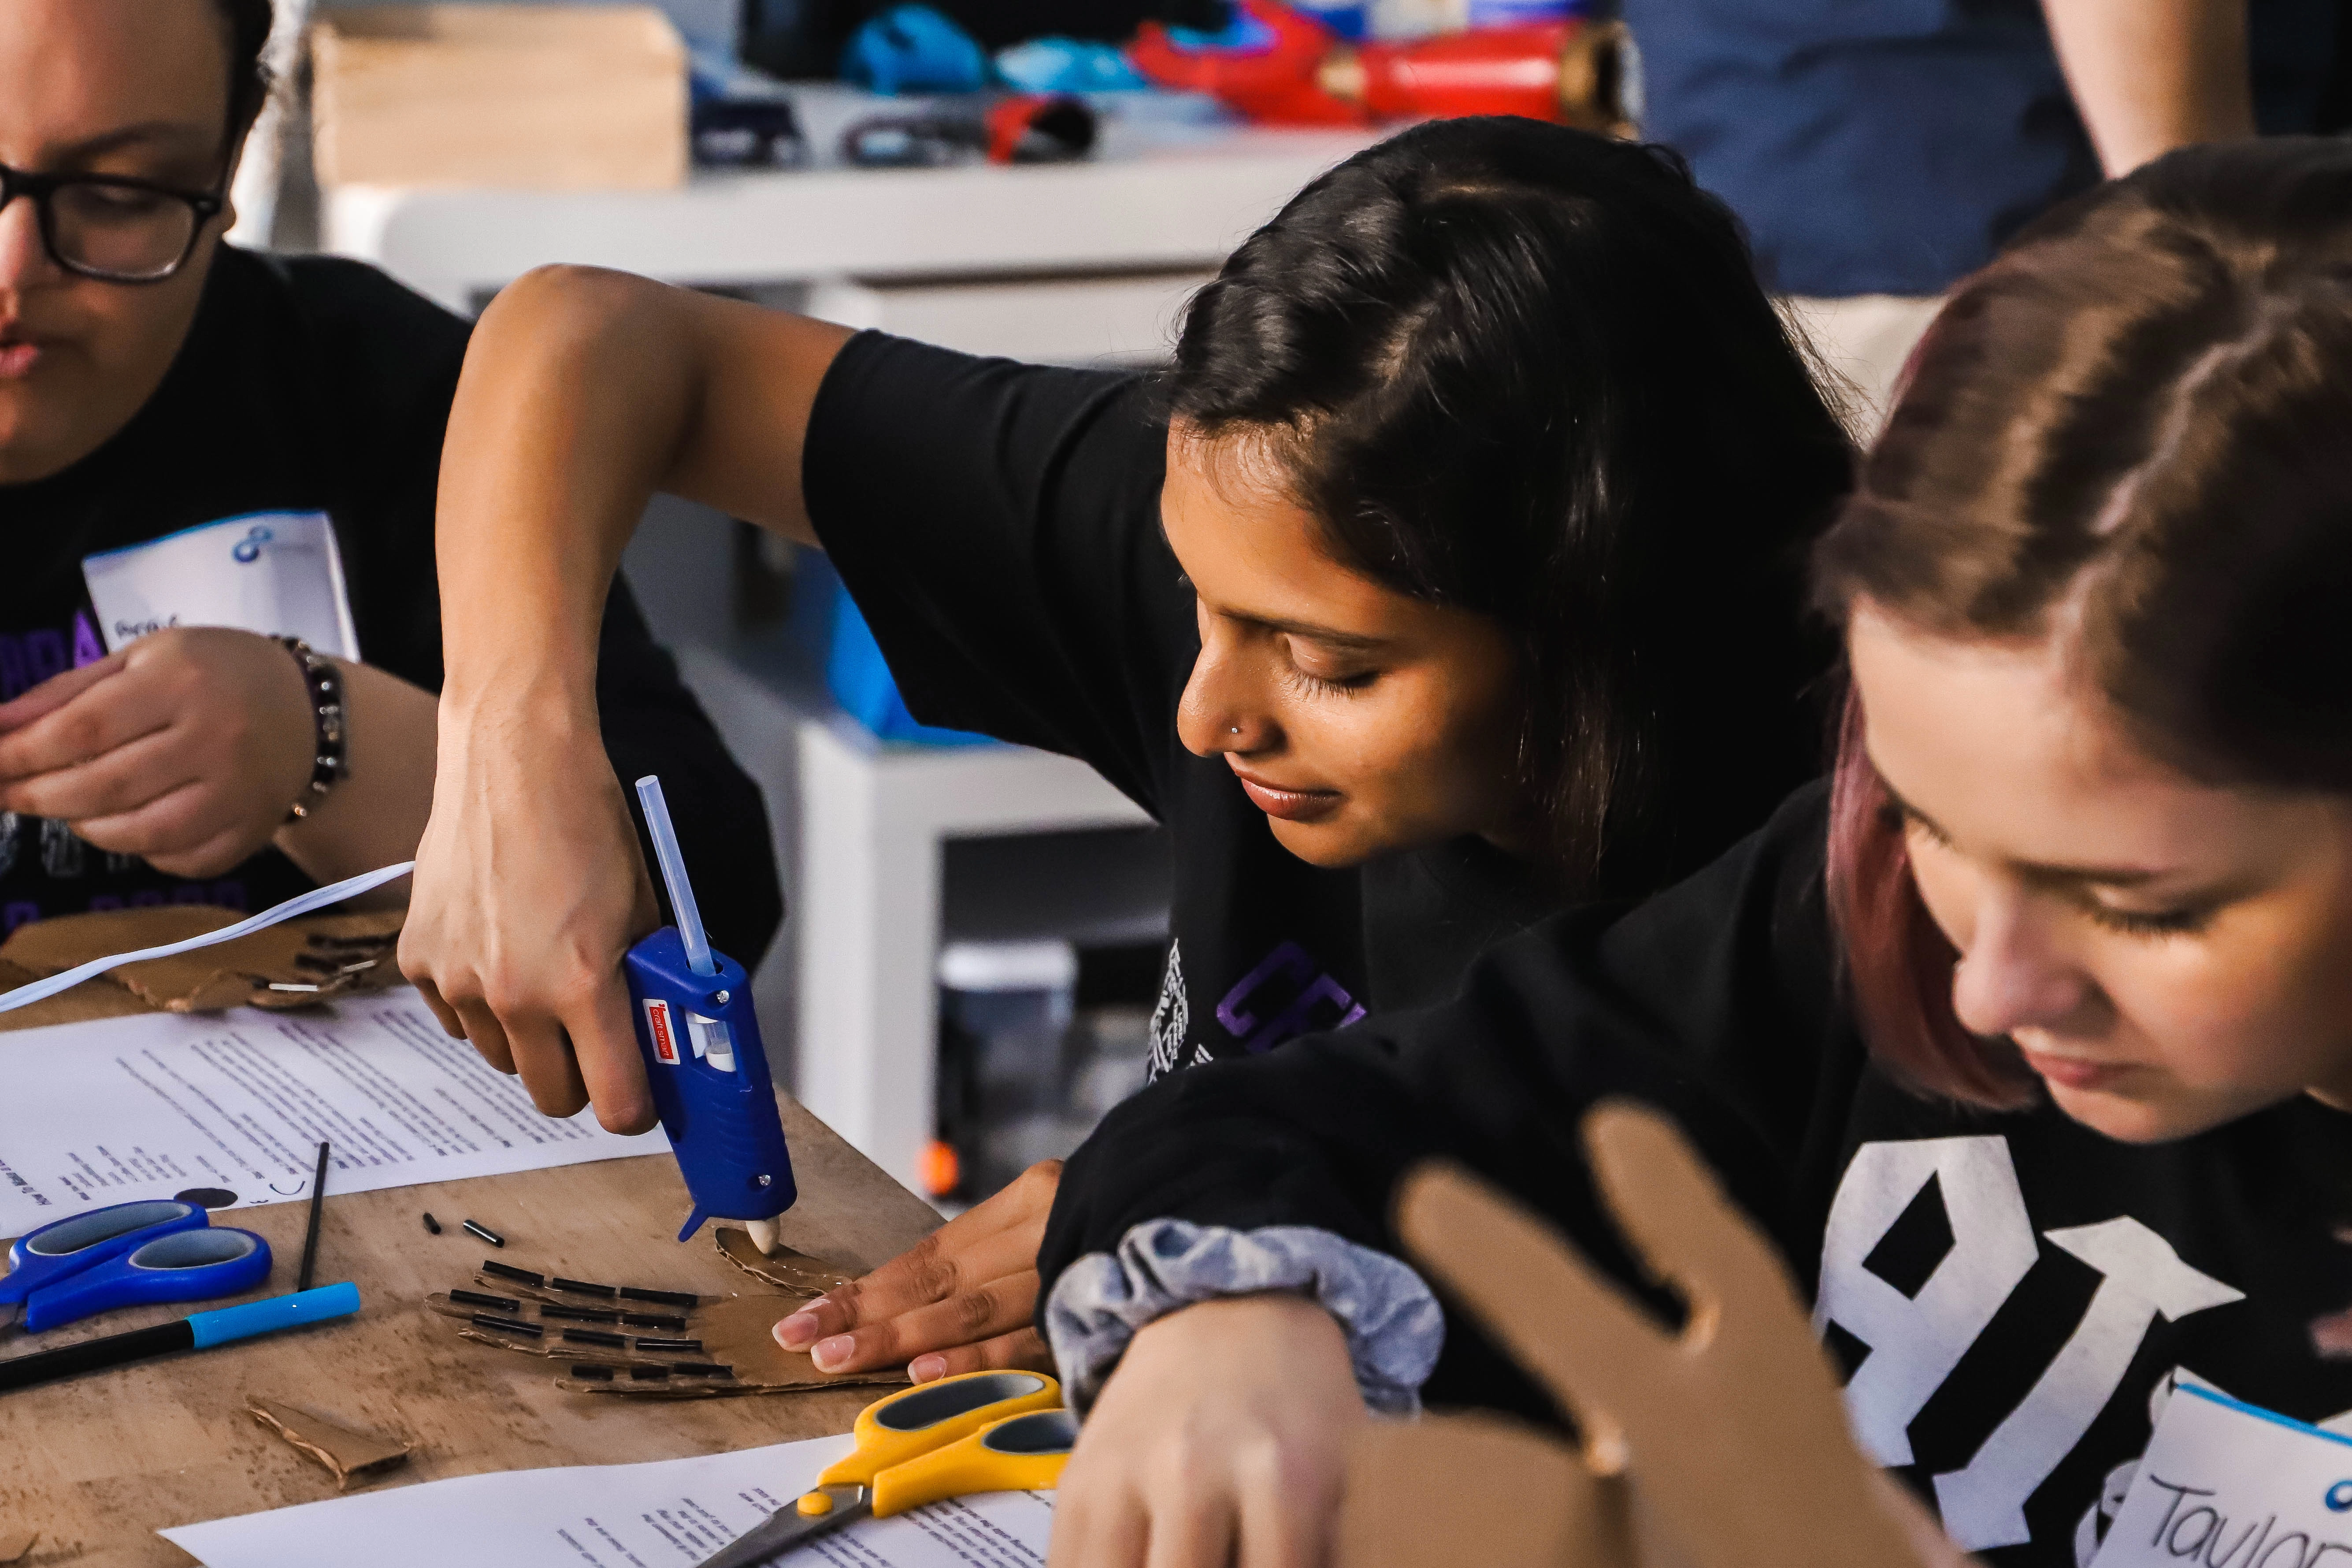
(671, 1513)
(122, 1109)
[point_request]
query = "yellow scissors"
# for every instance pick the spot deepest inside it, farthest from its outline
(976, 1432)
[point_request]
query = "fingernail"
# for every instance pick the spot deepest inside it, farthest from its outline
(924, 1368)
(830, 1353)
(795, 1331)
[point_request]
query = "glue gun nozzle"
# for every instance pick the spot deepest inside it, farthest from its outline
(764, 1233)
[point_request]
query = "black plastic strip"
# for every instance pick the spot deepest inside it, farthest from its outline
(652, 1320)
(495, 1303)
(595, 1337)
(702, 1369)
(508, 1271)
(668, 1346)
(591, 1372)
(580, 1315)
(659, 1297)
(509, 1326)
(649, 1374)
(581, 1288)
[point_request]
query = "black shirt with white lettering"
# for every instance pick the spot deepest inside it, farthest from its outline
(2009, 1292)
(310, 385)
(998, 526)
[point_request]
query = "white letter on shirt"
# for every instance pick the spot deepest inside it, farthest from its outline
(1916, 1340)
(1984, 1505)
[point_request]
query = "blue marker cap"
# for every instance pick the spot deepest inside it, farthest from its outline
(223, 1324)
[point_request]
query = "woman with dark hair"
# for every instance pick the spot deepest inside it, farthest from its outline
(219, 636)
(1452, 575)
(2058, 956)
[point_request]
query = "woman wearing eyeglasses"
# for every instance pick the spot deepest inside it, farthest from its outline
(200, 449)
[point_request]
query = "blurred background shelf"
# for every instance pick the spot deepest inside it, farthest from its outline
(1165, 199)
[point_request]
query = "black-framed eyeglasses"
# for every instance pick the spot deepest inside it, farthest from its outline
(111, 227)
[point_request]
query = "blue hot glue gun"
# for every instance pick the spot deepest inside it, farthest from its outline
(701, 1046)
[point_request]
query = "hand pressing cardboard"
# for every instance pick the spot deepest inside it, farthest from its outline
(1723, 1445)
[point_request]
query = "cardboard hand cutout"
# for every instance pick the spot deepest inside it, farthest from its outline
(1724, 1445)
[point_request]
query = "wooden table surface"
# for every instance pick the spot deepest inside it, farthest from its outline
(98, 1463)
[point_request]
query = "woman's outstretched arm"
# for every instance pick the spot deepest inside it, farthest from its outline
(583, 393)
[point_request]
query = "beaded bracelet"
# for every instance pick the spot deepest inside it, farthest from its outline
(330, 759)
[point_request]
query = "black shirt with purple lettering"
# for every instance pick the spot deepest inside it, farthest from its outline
(311, 384)
(998, 525)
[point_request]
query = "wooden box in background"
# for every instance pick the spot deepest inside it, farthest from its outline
(534, 96)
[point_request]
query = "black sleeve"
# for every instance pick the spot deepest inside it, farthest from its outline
(384, 371)
(1715, 1001)
(652, 725)
(998, 526)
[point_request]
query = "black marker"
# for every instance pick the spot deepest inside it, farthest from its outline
(311, 1237)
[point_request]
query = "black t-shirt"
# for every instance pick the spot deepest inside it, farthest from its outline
(998, 526)
(310, 385)
(2006, 1290)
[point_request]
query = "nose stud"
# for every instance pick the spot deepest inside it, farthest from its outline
(1237, 729)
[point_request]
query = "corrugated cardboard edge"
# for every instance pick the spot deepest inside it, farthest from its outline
(788, 1270)
(347, 1455)
(203, 980)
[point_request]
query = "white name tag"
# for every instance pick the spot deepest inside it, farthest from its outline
(2229, 1485)
(275, 572)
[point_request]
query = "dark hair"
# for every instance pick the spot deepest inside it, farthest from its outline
(245, 27)
(1527, 371)
(2129, 431)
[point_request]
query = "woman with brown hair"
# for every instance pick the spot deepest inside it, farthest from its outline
(2029, 1037)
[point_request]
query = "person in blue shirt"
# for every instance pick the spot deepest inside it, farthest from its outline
(1878, 149)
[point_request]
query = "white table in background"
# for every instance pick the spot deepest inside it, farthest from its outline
(1057, 261)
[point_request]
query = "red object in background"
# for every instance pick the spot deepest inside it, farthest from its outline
(1276, 84)
(1028, 127)
(1565, 71)
(942, 1170)
(1494, 70)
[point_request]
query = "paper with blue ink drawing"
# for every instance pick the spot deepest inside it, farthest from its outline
(147, 1107)
(667, 1512)
(2227, 1485)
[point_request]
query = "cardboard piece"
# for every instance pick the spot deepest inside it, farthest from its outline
(794, 1272)
(660, 1321)
(301, 962)
(734, 1331)
(16, 1546)
(495, 1285)
(346, 1454)
(1726, 1439)
(552, 1347)
(1425, 1492)
(739, 1333)
(537, 96)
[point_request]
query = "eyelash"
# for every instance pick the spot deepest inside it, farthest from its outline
(2129, 922)
(1317, 686)
(2134, 922)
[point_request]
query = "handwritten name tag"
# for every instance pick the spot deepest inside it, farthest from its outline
(275, 572)
(2229, 1485)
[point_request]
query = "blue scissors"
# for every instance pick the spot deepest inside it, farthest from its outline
(164, 1250)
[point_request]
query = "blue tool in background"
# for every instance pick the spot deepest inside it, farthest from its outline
(125, 1255)
(692, 1008)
